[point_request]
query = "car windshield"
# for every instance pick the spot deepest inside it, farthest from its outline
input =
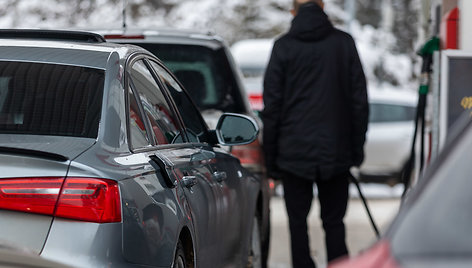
(439, 221)
(50, 99)
(380, 112)
(205, 73)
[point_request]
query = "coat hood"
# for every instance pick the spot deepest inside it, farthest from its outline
(311, 23)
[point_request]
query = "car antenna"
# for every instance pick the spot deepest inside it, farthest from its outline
(125, 4)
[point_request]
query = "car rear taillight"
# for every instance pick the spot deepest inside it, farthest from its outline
(249, 153)
(122, 36)
(35, 195)
(256, 102)
(86, 199)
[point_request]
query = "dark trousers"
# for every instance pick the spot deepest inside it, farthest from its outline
(333, 197)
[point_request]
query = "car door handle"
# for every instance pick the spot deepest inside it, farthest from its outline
(189, 181)
(219, 176)
(158, 164)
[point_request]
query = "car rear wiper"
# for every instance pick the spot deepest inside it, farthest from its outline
(33, 153)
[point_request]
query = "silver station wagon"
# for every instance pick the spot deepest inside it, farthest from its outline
(106, 162)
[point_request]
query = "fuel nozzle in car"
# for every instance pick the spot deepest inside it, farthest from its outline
(426, 53)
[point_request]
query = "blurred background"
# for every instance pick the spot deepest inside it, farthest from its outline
(387, 31)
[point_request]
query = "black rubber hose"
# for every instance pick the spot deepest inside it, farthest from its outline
(364, 201)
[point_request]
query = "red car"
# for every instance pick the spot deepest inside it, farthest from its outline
(434, 225)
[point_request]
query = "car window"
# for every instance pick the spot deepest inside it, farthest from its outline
(50, 99)
(205, 73)
(196, 129)
(380, 112)
(163, 122)
(137, 128)
(253, 71)
(438, 223)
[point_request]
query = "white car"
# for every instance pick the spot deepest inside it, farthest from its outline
(390, 134)
(252, 57)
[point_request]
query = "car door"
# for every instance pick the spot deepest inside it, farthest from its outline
(149, 204)
(197, 134)
(240, 191)
(232, 179)
(226, 176)
(186, 167)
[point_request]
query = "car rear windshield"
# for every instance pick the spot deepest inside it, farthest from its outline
(50, 99)
(205, 73)
(380, 112)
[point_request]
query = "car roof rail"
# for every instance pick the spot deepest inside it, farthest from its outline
(53, 35)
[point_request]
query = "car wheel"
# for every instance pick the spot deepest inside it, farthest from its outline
(265, 241)
(179, 260)
(255, 252)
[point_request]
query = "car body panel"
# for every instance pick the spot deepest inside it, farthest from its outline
(11, 256)
(24, 230)
(20, 229)
(83, 244)
(37, 167)
(147, 238)
(389, 135)
(238, 190)
(66, 146)
(379, 256)
(394, 138)
(202, 198)
(69, 55)
(452, 262)
(164, 35)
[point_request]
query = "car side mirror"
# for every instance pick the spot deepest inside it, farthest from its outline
(236, 129)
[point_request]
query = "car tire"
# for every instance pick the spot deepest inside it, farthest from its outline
(179, 259)
(265, 240)
(254, 259)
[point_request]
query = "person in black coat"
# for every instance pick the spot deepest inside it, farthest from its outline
(315, 121)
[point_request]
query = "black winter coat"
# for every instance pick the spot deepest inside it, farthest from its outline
(316, 109)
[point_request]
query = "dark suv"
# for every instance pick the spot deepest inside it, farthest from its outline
(204, 65)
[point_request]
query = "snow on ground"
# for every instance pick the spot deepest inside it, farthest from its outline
(369, 190)
(376, 191)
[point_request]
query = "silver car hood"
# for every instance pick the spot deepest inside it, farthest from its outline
(69, 147)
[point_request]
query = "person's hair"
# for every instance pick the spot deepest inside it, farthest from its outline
(298, 3)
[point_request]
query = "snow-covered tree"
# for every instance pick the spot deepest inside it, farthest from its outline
(385, 30)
